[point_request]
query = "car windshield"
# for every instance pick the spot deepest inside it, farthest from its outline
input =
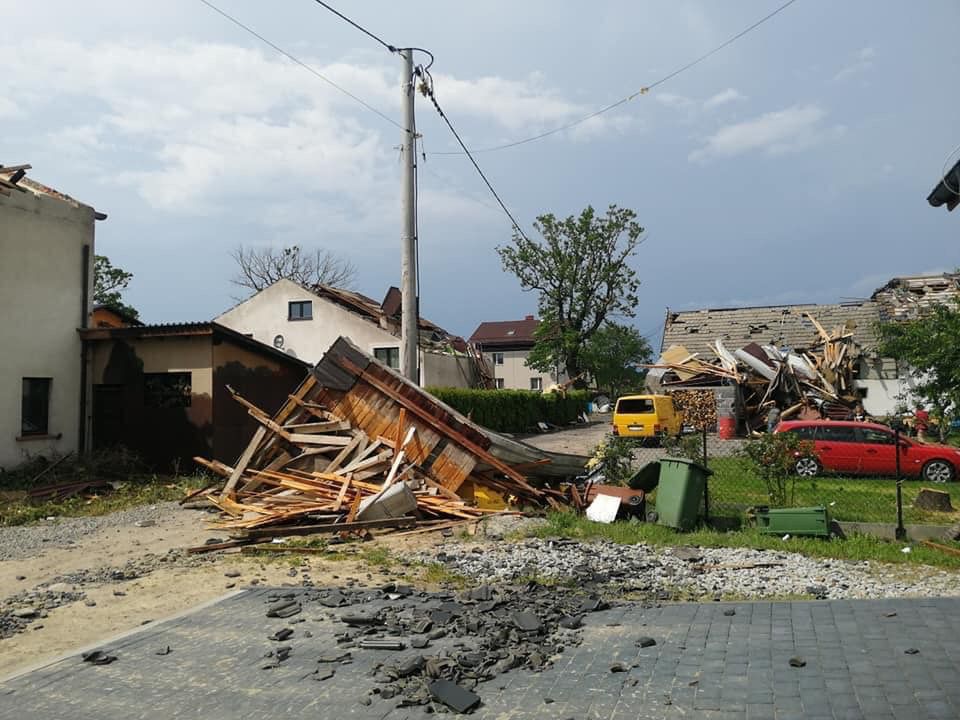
(635, 406)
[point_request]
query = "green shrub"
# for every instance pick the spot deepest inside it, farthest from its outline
(615, 454)
(514, 411)
(773, 456)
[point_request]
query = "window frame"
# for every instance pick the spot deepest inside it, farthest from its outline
(823, 430)
(497, 358)
(498, 384)
(43, 430)
(862, 432)
(539, 384)
(160, 398)
(388, 348)
(300, 304)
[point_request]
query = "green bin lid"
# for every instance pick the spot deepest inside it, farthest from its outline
(687, 461)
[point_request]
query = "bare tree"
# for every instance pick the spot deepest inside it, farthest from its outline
(261, 267)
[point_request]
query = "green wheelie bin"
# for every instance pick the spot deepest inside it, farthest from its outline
(680, 492)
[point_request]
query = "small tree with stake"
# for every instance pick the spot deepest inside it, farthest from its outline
(774, 456)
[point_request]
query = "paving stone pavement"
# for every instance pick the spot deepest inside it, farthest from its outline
(707, 664)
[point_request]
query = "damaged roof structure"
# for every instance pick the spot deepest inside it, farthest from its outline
(906, 298)
(804, 358)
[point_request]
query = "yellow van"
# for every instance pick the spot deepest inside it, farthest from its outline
(646, 416)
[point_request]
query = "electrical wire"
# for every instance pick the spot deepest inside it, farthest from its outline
(388, 46)
(642, 91)
(370, 34)
(302, 64)
(426, 87)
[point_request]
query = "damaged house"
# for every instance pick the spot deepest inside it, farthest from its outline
(46, 290)
(304, 322)
(802, 357)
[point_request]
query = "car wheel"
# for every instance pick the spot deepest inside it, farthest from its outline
(807, 467)
(938, 471)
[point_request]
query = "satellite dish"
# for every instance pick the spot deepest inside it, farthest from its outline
(278, 342)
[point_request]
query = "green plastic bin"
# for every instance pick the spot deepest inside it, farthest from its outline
(794, 521)
(680, 492)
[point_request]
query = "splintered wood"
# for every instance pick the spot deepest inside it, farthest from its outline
(338, 452)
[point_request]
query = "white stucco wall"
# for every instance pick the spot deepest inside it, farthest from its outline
(41, 293)
(514, 371)
(442, 370)
(265, 316)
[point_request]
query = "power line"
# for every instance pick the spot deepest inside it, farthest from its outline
(301, 63)
(426, 88)
(388, 46)
(371, 34)
(642, 91)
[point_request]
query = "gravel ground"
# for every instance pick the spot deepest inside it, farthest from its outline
(22, 541)
(682, 573)
(19, 610)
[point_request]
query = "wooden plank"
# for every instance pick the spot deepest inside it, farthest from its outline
(308, 439)
(443, 429)
(241, 465)
(342, 494)
(942, 548)
(345, 453)
(318, 427)
(328, 528)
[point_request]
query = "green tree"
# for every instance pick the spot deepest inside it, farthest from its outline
(582, 273)
(108, 284)
(930, 346)
(612, 355)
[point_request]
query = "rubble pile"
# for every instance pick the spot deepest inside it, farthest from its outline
(357, 447)
(818, 380)
(441, 645)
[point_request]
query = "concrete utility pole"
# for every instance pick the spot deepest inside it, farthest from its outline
(409, 322)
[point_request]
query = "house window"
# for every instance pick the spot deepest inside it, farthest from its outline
(536, 383)
(498, 358)
(167, 390)
(389, 356)
(35, 406)
(300, 310)
(498, 383)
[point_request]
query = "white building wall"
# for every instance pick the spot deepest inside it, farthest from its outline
(265, 316)
(514, 371)
(42, 282)
(443, 370)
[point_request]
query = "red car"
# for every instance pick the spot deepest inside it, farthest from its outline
(862, 448)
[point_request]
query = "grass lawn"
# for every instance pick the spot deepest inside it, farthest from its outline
(734, 487)
(16, 508)
(857, 547)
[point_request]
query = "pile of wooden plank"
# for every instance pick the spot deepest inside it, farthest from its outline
(357, 444)
(818, 380)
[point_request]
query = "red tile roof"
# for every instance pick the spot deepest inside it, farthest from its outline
(505, 332)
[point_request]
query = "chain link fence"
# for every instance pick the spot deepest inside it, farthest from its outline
(734, 486)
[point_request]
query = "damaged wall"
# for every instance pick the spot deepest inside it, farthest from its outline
(165, 397)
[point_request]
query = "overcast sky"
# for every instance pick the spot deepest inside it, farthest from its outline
(792, 166)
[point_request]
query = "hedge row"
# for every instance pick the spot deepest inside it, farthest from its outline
(514, 411)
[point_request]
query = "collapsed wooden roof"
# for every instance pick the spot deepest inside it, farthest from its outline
(370, 396)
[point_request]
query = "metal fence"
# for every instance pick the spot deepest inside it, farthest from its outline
(734, 487)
